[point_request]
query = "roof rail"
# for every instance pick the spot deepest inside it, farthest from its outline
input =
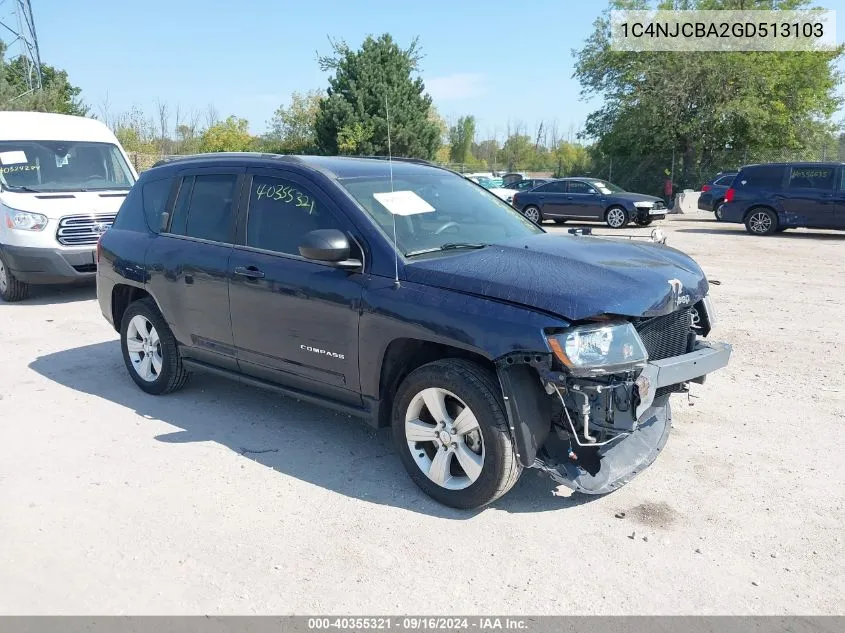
(183, 157)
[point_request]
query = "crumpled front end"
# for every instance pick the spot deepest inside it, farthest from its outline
(607, 423)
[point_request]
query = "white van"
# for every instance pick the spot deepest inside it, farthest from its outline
(62, 181)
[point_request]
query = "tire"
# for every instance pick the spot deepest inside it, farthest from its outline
(11, 290)
(717, 213)
(761, 221)
(164, 375)
(646, 221)
(560, 221)
(616, 217)
(533, 213)
(487, 449)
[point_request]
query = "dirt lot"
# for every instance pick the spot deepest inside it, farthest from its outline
(225, 499)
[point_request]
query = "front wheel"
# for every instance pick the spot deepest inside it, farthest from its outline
(616, 217)
(533, 213)
(450, 429)
(11, 289)
(761, 222)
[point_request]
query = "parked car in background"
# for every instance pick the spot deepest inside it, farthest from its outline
(493, 185)
(62, 180)
(588, 199)
(529, 183)
(404, 295)
(511, 178)
(773, 197)
(713, 192)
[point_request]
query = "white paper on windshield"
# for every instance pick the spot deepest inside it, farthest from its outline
(61, 161)
(403, 202)
(13, 158)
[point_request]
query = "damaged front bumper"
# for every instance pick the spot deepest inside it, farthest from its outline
(605, 431)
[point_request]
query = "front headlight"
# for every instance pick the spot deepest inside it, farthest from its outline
(24, 220)
(644, 204)
(603, 348)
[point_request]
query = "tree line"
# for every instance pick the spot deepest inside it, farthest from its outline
(686, 114)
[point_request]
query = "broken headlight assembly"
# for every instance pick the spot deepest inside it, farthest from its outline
(599, 348)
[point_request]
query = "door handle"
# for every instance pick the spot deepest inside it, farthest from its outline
(250, 272)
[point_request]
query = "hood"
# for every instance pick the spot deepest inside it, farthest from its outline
(56, 205)
(575, 277)
(634, 197)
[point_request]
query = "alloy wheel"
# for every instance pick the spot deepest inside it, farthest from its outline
(760, 222)
(144, 347)
(616, 218)
(4, 279)
(444, 438)
(533, 214)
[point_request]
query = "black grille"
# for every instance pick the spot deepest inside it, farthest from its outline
(666, 336)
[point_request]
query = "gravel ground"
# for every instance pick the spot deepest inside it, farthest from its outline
(226, 499)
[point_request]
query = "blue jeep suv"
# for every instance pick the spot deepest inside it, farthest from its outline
(409, 296)
(773, 197)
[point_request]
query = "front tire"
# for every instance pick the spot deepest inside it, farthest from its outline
(616, 217)
(451, 432)
(11, 290)
(149, 349)
(533, 213)
(761, 221)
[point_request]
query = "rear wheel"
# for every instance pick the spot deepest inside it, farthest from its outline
(450, 429)
(149, 349)
(533, 213)
(616, 217)
(718, 211)
(761, 222)
(11, 289)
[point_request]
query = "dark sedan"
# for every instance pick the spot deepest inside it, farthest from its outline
(588, 199)
(713, 193)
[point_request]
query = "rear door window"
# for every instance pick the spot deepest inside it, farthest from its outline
(763, 177)
(811, 177)
(205, 208)
(552, 187)
(725, 180)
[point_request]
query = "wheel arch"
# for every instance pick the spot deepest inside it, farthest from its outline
(404, 355)
(753, 208)
(122, 296)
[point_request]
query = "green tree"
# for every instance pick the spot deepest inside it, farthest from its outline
(293, 129)
(366, 83)
(56, 95)
(461, 136)
(570, 159)
(231, 135)
(517, 151)
(698, 107)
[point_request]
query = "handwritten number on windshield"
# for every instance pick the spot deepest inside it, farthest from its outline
(285, 195)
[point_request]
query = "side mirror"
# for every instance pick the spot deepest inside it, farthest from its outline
(328, 245)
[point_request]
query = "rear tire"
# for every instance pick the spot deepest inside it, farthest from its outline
(718, 211)
(465, 424)
(761, 221)
(533, 213)
(11, 290)
(149, 349)
(616, 217)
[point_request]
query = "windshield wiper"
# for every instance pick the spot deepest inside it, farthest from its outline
(448, 246)
(26, 189)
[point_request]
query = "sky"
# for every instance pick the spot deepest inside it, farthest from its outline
(501, 61)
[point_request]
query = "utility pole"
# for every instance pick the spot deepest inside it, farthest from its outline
(17, 30)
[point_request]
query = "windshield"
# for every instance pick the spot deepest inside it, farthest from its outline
(62, 166)
(463, 214)
(606, 187)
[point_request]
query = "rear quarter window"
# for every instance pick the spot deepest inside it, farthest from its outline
(763, 177)
(130, 216)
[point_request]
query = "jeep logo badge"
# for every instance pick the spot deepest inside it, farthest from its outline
(677, 298)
